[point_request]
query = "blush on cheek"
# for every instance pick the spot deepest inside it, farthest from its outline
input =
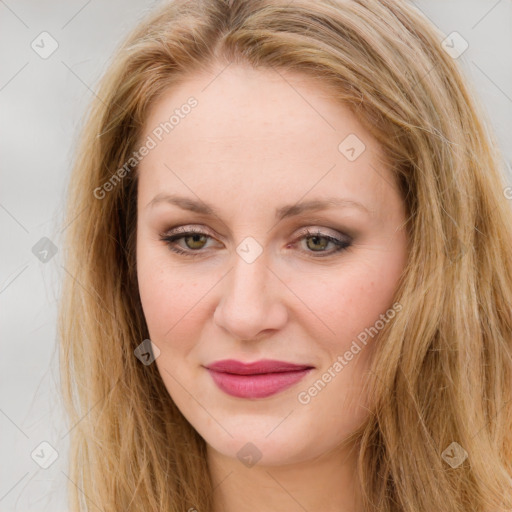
(350, 309)
(169, 305)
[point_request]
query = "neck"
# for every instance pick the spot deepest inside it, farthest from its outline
(328, 483)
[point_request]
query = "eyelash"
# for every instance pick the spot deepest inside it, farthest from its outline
(170, 240)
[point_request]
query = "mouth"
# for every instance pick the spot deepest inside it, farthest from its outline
(258, 379)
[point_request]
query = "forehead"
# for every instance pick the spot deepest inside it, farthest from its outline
(259, 131)
(243, 104)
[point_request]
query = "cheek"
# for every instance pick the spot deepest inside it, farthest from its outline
(173, 300)
(163, 293)
(352, 298)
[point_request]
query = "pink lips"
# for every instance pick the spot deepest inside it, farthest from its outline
(255, 380)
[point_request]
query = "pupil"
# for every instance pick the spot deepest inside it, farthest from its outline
(196, 238)
(316, 241)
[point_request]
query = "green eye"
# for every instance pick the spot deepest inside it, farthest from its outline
(317, 242)
(194, 241)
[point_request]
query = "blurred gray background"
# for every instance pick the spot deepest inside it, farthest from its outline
(53, 54)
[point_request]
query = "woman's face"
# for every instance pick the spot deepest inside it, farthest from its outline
(297, 250)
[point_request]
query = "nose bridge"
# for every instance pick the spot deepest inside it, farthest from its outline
(250, 302)
(248, 283)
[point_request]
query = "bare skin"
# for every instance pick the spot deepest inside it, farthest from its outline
(254, 143)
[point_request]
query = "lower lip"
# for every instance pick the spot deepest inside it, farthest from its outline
(256, 386)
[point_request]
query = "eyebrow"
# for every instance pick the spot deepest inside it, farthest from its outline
(186, 203)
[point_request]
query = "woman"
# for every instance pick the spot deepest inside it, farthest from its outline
(290, 287)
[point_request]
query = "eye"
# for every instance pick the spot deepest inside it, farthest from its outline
(195, 240)
(316, 242)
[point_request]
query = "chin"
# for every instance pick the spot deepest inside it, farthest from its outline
(262, 451)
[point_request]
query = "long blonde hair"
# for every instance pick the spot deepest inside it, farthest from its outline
(442, 371)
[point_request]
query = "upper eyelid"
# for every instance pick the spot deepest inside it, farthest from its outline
(340, 241)
(312, 230)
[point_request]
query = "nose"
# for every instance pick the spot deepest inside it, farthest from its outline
(251, 301)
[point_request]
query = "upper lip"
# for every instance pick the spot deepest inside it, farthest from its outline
(256, 367)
